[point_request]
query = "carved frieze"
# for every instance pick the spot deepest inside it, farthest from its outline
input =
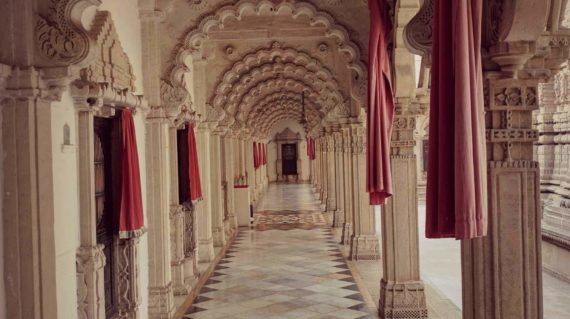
(111, 64)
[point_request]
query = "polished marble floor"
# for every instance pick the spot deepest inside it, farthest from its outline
(287, 266)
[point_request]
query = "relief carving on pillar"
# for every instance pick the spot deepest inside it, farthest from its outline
(403, 300)
(90, 262)
(189, 233)
(128, 290)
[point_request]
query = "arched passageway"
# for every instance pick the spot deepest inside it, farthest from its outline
(138, 136)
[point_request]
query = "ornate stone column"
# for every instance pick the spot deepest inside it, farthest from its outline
(401, 289)
(331, 175)
(502, 273)
(323, 165)
(364, 242)
(228, 186)
(182, 249)
(161, 303)
(216, 192)
(338, 221)
(348, 185)
(128, 289)
(90, 256)
(202, 209)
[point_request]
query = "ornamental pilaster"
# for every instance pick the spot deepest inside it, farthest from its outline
(339, 217)
(364, 243)
(402, 291)
(348, 186)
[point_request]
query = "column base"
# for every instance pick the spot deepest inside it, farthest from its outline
(219, 235)
(179, 286)
(190, 271)
(338, 219)
(365, 247)
(205, 250)
(346, 234)
(161, 302)
(402, 300)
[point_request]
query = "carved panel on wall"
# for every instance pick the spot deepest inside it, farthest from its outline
(111, 64)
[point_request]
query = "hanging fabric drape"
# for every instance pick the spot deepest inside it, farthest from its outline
(311, 148)
(457, 179)
(380, 115)
(260, 153)
(131, 220)
(255, 156)
(264, 154)
(194, 169)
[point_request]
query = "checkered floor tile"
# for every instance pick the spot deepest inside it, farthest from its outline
(281, 274)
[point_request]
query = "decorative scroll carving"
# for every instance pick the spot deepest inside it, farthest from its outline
(111, 64)
(60, 39)
(418, 32)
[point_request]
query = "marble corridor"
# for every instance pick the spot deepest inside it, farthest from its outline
(287, 266)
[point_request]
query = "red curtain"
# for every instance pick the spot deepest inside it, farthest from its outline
(456, 186)
(255, 156)
(380, 105)
(311, 148)
(194, 169)
(131, 220)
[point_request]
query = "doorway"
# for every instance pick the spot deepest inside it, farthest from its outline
(289, 155)
(107, 221)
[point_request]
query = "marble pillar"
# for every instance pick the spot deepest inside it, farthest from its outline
(338, 221)
(90, 255)
(348, 193)
(202, 208)
(324, 170)
(216, 196)
(180, 279)
(331, 175)
(502, 272)
(402, 292)
(161, 298)
(364, 242)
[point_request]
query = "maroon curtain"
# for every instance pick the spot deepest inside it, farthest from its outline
(456, 186)
(380, 105)
(255, 156)
(131, 220)
(194, 169)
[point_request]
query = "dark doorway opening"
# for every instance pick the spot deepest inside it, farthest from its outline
(289, 157)
(105, 162)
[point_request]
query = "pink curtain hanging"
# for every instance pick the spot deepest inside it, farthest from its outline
(131, 220)
(265, 154)
(260, 154)
(457, 179)
(255, 156)
(380, 105)
(194, 169)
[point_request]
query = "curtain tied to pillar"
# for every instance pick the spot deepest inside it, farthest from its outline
(131, 220)
(380, 115)
(456, 194)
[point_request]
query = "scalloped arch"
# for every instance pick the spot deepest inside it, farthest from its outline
(193, 40)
